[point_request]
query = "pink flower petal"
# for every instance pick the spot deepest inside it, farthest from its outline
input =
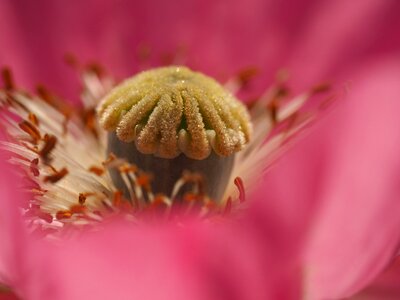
(386, 286)
(312, 38)
(12, 235)
(357, 230)
(339, 35)
(225, 261)
(7, 296)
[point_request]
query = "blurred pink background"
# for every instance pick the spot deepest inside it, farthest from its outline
(315, 40)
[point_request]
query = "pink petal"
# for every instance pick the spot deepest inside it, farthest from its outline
(357, 230)
(312, 38)
(225, 261)
(7, 296)
(386, 286)
(339, 35)
(13, 243)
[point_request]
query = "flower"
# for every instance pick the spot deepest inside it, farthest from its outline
(260, 257)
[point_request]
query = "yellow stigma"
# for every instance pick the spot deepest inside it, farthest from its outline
(172, 110)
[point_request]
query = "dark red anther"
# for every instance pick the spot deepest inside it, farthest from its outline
(7, 79)
(77, 209)
(63, 214)
(81, 198)
(50, 142)
(273, 109)
(239, 184)
(53, 101)
(57, 176)
(30, 129)
(71, 60)
(321, 88)
(111, 158)
(117, 198)
(97, 170)
(190, 197)
(90, 121)
(246, 75)
(96, 68)
(144, 180)
(34, 167)
(33, 119)
(45, 216)
(127, 168)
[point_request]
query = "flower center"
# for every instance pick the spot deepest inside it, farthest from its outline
(170, 120)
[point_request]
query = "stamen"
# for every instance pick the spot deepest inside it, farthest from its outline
(34, 167)
(32, 118)
(183, 135)
(82, 198)
(7, 79)
(30, 129)
(117, 198)
(58, 175)
(50, 142)
(239, 183)
(61, 106)
(63, 215)
(97, 170)
(78, 209)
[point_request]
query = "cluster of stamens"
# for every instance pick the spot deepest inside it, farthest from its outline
(61, 150)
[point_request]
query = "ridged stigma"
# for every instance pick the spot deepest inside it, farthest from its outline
(170, 120)
(171, 110)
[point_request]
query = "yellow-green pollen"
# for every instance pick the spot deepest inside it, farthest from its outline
(172, 110)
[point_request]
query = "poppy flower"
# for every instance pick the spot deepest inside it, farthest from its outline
(323, 223)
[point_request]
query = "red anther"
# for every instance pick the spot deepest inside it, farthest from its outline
(126, 168)
(111, 157)
(30, 129)
(281, 92)
(158, 199)
(95, 68)
(247, 74)
(57, 176)
(71, 60)
(33, 119)
(45, 216)
(239, 184)
(50, 142)
(7, 79)
(190, 197)
(97, 170)
(50, 99)
(82, 198)
(273, 109)
(63, 214)
(117, 198)
(158, 203)
(34, 167)
(77, 209)
(144, 180)
(210, 204)
(90, 121)
(321, 88)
